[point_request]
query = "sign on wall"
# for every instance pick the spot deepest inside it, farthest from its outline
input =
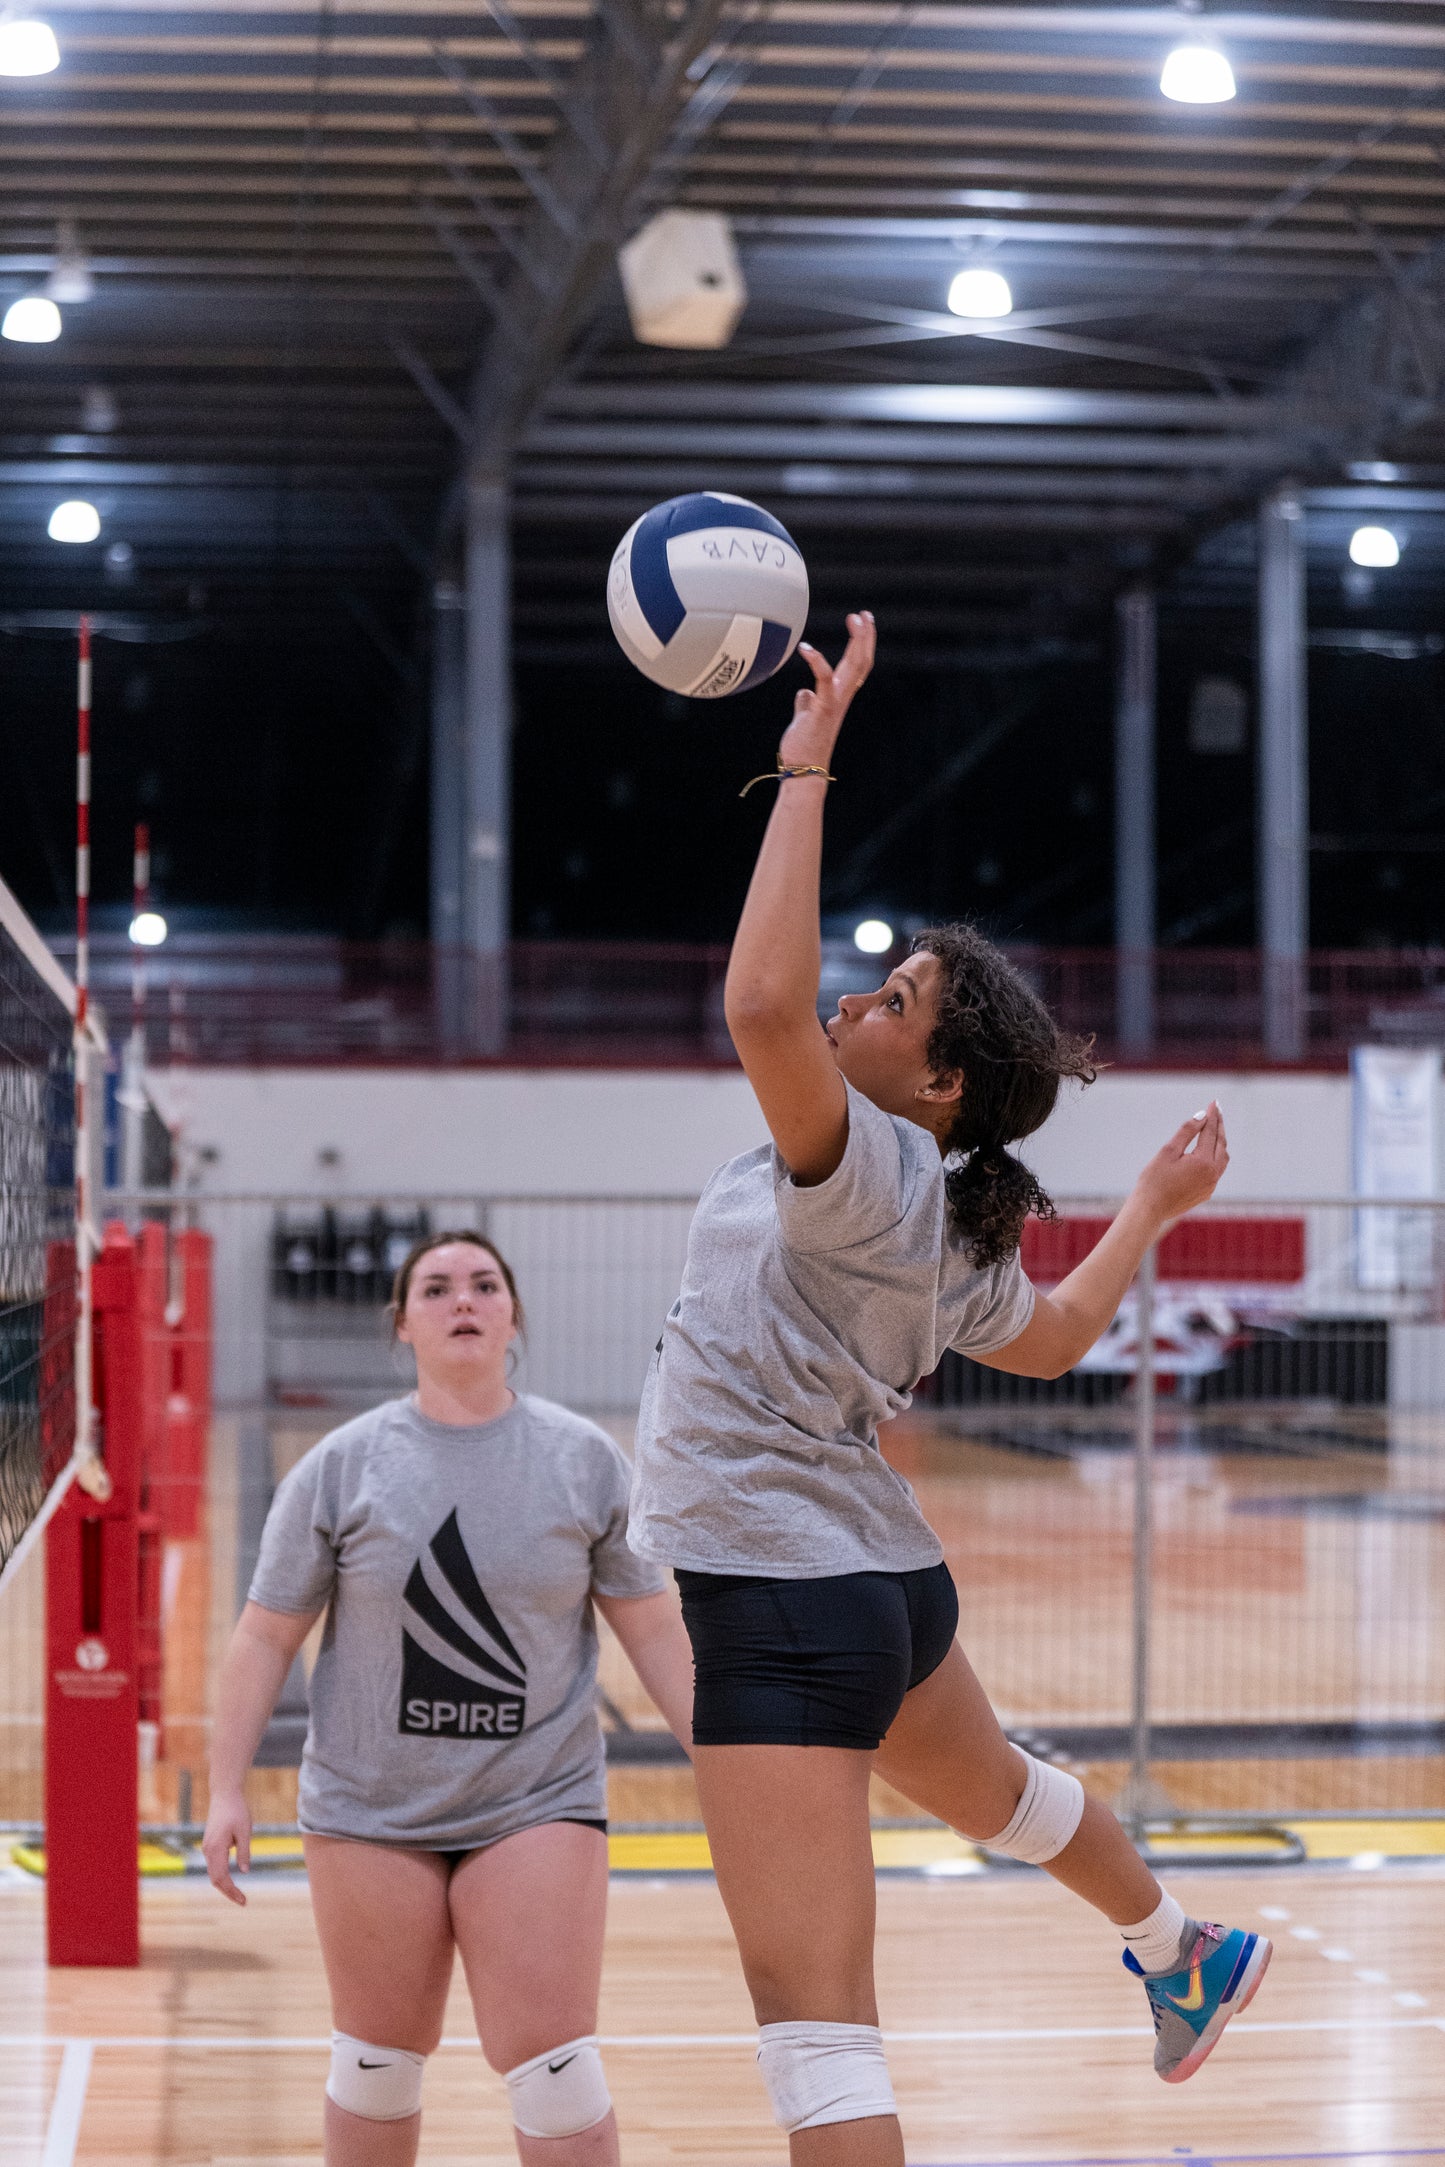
(1394, 1107)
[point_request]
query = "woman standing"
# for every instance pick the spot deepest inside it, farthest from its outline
(453, 1786)
(825, 1275)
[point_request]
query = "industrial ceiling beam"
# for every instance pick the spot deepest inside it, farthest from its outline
(942, 405)
(632, 82)
(738, 439)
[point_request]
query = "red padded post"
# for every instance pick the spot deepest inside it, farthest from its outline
(152, 1254)
(92, 1701)
(188, 1408)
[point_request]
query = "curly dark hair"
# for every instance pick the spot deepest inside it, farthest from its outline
(993, 1027)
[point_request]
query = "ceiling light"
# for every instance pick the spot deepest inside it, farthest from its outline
(1197, 75)
(148, 929)
(1375, 547)
(980, 293)
(28, 48)
(32, 320)
(873, 936)
(74, 521)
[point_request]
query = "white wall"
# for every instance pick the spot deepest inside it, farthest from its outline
(598, 1278)
(589, 1132)
(534, 1132)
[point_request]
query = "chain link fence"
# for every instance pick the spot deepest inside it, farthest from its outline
(1207, 1567)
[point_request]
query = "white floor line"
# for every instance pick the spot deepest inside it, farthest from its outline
(62, 2131)
(249, 2042)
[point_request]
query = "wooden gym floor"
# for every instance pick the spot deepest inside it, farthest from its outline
(1014, 2033)
(1300, 1578)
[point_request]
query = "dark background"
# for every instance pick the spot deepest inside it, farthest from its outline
(285, 781)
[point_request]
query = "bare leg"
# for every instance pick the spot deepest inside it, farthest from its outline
(386, 1941)
(788, 1827)
(528, 1915)
(948, 1754)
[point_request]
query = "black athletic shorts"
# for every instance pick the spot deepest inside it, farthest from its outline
(812, 1662)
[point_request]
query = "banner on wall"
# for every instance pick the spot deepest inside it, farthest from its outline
(1394, 1106)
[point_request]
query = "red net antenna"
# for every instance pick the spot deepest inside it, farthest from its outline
(84, 1247)
(133, 1095)
(90, 1470)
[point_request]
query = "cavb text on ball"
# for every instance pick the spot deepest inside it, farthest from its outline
(708, 594)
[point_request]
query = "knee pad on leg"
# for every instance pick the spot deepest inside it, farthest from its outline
(1045, 1818)
(559, 2093)
(817, 2073)
(382, 2084)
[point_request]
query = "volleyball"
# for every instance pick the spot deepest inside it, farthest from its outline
(708, 594)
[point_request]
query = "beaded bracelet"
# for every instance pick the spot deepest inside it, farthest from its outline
(785, 774)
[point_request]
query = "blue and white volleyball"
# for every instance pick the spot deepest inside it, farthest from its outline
(708, 594)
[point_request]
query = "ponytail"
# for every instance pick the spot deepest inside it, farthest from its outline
(990, 1195)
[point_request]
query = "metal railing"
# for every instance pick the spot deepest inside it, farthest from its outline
(1258, 1444)
(311, 999)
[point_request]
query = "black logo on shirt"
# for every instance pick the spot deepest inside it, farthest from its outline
(437, 1701)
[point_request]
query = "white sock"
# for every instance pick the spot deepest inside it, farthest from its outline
(1155, 1940)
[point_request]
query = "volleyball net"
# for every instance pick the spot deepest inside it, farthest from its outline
(38, 1286)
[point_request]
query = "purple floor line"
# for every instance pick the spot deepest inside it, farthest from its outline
(1187, 2156)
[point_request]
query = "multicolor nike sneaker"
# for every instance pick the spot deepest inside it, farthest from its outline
(1191, 2006)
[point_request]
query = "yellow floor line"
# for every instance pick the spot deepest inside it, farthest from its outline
(916, 1850)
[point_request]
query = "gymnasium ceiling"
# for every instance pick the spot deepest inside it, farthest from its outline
(339, 253)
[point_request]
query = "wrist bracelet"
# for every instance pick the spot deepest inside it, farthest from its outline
(785, 774)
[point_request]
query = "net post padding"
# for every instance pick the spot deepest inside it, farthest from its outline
(92, 1803)
(152, 1258)
(188, 1407)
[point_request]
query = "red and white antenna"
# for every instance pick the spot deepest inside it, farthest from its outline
(84, 1246)
(90, 1470)
(133, 1096)
(140, 904)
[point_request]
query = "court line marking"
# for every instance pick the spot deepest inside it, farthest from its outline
(1312, 1937)
(62, 2131)
(243, 2042)
(1210, 2158)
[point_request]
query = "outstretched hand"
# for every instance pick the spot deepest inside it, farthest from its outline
(1180, 1177)
(819, 709)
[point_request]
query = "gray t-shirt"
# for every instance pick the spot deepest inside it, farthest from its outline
(453, 1700)
(806, 1318)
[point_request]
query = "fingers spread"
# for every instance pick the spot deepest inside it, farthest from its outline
(820, 666)
(858, 656)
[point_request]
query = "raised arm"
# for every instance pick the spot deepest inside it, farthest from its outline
(1066, 1323)
(771, 996)
(263, 1648)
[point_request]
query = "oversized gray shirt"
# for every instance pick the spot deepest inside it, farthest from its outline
(806, 1318)
(453, 1700)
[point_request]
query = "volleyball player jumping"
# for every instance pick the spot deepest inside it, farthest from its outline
(824, 1276)
(453, 1787)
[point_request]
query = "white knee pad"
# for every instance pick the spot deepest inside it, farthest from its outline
(1045, 1818)
(383, 2084)
(561, 2092)
(817, 2073)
